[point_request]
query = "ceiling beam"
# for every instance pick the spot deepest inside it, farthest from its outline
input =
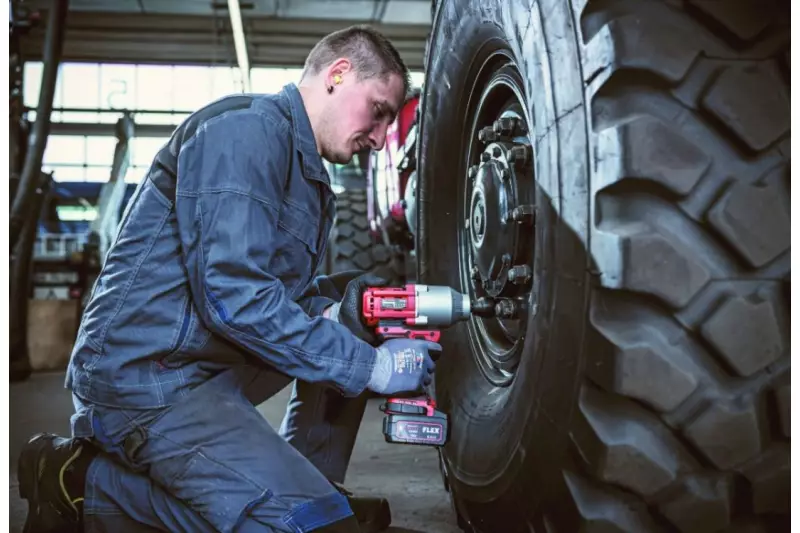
(195, 40)
(92, 129)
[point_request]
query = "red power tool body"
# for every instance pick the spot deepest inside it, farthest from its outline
(416, 312)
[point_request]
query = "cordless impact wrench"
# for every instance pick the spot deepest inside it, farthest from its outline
(417, 312)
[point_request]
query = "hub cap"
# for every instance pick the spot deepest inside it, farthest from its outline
(489, 207)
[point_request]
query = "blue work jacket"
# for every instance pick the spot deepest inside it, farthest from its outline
(213, 262)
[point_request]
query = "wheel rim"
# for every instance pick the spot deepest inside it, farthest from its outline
(496, 238)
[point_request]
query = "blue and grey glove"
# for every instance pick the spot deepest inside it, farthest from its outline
(402, 365)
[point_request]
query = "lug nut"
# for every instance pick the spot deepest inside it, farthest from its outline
(506, 309)
(496, 151)
(485, 156)
(519, 274)
(519, 155)
(473, 171)
(487, 134)
(505, 174)
(508, 126)
(523, 214)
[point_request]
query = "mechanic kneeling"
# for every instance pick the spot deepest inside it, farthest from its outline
(207, 305)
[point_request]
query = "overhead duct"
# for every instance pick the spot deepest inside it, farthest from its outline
(240, 43)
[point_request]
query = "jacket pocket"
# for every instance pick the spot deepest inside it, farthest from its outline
(183, 330)
(190, 338)
(295, 257)
(300, 225)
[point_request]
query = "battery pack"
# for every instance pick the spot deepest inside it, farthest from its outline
(414, 421)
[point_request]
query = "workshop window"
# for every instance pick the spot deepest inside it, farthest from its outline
(91, 97)
(144, 149)
(178, 88)
(89, 157)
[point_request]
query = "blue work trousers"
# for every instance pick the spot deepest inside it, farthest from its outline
(213, 463)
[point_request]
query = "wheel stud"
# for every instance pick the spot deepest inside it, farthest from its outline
(519, 155)
(475, 276)
(519, 274)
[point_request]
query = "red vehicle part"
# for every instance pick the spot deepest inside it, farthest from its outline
(389, 172)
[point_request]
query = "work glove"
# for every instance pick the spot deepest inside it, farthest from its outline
(340, 280)
(402, 365)
(348, 312)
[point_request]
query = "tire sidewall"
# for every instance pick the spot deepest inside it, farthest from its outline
(511, 426)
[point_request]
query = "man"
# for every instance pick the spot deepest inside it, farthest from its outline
(206, 306)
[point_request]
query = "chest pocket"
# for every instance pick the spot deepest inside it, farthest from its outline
(297, 256)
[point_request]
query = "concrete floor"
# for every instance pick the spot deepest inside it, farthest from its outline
(408, 476)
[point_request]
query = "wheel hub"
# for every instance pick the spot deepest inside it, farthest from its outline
(498, 214)
(496, 241)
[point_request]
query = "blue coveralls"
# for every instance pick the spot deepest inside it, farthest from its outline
(207, 305)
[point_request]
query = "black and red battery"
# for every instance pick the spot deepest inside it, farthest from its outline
(414, 421)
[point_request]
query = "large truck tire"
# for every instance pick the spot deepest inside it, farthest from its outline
(644, 205)
(350, 246)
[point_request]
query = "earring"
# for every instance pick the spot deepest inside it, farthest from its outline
(337, 79)
(330, 89)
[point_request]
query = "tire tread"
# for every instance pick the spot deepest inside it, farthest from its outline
(351, 246)
(691, 219)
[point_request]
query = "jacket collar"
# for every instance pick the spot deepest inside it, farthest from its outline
(304, 135)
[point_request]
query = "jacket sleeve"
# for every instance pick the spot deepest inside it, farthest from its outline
(325, 290)
(319, 295)
(230, 188)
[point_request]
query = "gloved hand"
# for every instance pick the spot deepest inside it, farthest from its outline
(402, 365)
(340, 280)
(348, 311)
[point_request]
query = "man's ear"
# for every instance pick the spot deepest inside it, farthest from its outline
(341, 67)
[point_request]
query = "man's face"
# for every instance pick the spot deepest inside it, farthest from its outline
(358, 115)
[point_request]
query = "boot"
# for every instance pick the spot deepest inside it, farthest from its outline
(52, 476)
(373, 514)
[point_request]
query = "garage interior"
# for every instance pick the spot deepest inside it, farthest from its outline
(129, 72)
(634, 371)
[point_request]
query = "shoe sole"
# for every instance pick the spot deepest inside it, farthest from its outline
(40, 519)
